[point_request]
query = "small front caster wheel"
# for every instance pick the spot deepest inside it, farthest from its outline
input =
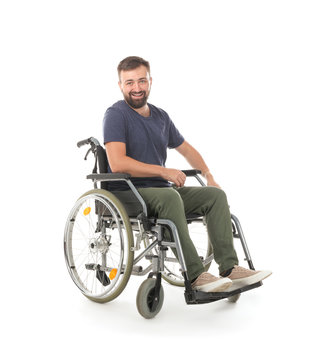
(145, 297)
(233, 298)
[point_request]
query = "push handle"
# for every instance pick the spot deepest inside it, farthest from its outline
(83, 142)
(91, 141)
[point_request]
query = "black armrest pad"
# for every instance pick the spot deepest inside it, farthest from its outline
(109, 176)
(123, 176)
(192, 172)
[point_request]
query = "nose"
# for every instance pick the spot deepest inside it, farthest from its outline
(136, 86)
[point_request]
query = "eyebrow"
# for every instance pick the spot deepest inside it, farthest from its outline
(142, 78)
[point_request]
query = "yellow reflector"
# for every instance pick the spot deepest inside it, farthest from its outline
(113, 273)
(87, 211)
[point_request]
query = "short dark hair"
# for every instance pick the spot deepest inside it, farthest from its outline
(131, 63)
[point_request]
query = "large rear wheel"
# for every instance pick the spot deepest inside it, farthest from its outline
(97, 244)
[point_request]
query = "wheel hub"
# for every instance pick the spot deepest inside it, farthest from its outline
(100, 244)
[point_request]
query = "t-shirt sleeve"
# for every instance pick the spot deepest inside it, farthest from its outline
(175, 138)
(114, 128)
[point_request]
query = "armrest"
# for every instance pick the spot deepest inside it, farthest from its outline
(120, 176)
(191, 172)
(123, 176)
(108, 176)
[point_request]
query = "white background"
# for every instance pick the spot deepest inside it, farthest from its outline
(242, 81)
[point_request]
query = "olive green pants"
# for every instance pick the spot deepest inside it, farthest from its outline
(174, 203)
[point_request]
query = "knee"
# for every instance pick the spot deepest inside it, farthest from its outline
(217, 195)
(170, 197)
(169, 203)
(222, 195)
(216, 192)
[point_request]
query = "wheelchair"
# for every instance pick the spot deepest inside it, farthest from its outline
(109, 237)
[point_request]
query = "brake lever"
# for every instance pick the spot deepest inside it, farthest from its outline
(88, 151)
(91, 149)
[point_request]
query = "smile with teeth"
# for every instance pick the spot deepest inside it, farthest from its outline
(137, 94)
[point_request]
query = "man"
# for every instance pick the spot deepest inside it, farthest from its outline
(136, 136)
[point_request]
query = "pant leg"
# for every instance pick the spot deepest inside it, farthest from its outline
(211, 202)
(166, 203)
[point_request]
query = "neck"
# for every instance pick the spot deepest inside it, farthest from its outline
(144, 110)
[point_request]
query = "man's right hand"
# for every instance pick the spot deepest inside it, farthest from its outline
(175, 176)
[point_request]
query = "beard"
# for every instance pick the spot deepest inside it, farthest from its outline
(136, 103)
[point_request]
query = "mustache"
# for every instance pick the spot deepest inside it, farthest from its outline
(138, 93)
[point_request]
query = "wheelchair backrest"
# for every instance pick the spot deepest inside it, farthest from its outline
(102, 164)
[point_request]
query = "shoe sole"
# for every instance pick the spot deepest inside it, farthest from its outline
(250, 280)
(216, 286)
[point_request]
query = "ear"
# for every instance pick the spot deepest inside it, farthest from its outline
(120, 85)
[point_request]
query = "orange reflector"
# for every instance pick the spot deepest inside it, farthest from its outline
(113, 273)
(87, 211)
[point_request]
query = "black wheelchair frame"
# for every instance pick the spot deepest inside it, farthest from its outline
(150, 294)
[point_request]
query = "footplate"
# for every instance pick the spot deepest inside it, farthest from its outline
(201, 297)
(100, 273)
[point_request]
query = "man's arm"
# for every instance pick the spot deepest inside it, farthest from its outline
(196, 161)
(119, 162)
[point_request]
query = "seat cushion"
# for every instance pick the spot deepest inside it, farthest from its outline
(130, 202)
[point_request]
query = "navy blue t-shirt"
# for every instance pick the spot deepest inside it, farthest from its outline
(146, 139)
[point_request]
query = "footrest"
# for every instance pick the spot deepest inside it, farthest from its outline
(201, 297)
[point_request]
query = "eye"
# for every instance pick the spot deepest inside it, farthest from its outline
(129, 83)
(143, 82)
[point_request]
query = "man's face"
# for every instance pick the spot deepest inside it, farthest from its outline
(135, 86)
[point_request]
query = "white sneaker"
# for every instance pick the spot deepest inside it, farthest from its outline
(241, 277)
(210, 283)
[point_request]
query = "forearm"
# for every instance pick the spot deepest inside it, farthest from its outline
(194, 158)
(136, 168)
(197, 162)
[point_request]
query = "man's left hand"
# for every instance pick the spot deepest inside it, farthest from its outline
(211, 181)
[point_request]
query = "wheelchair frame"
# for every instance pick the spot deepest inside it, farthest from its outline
(151, 294)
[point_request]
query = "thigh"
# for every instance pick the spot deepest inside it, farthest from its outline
(197, 199)
(161, 199)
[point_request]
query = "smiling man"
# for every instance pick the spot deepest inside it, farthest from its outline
(135, 86)
(137, 135)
